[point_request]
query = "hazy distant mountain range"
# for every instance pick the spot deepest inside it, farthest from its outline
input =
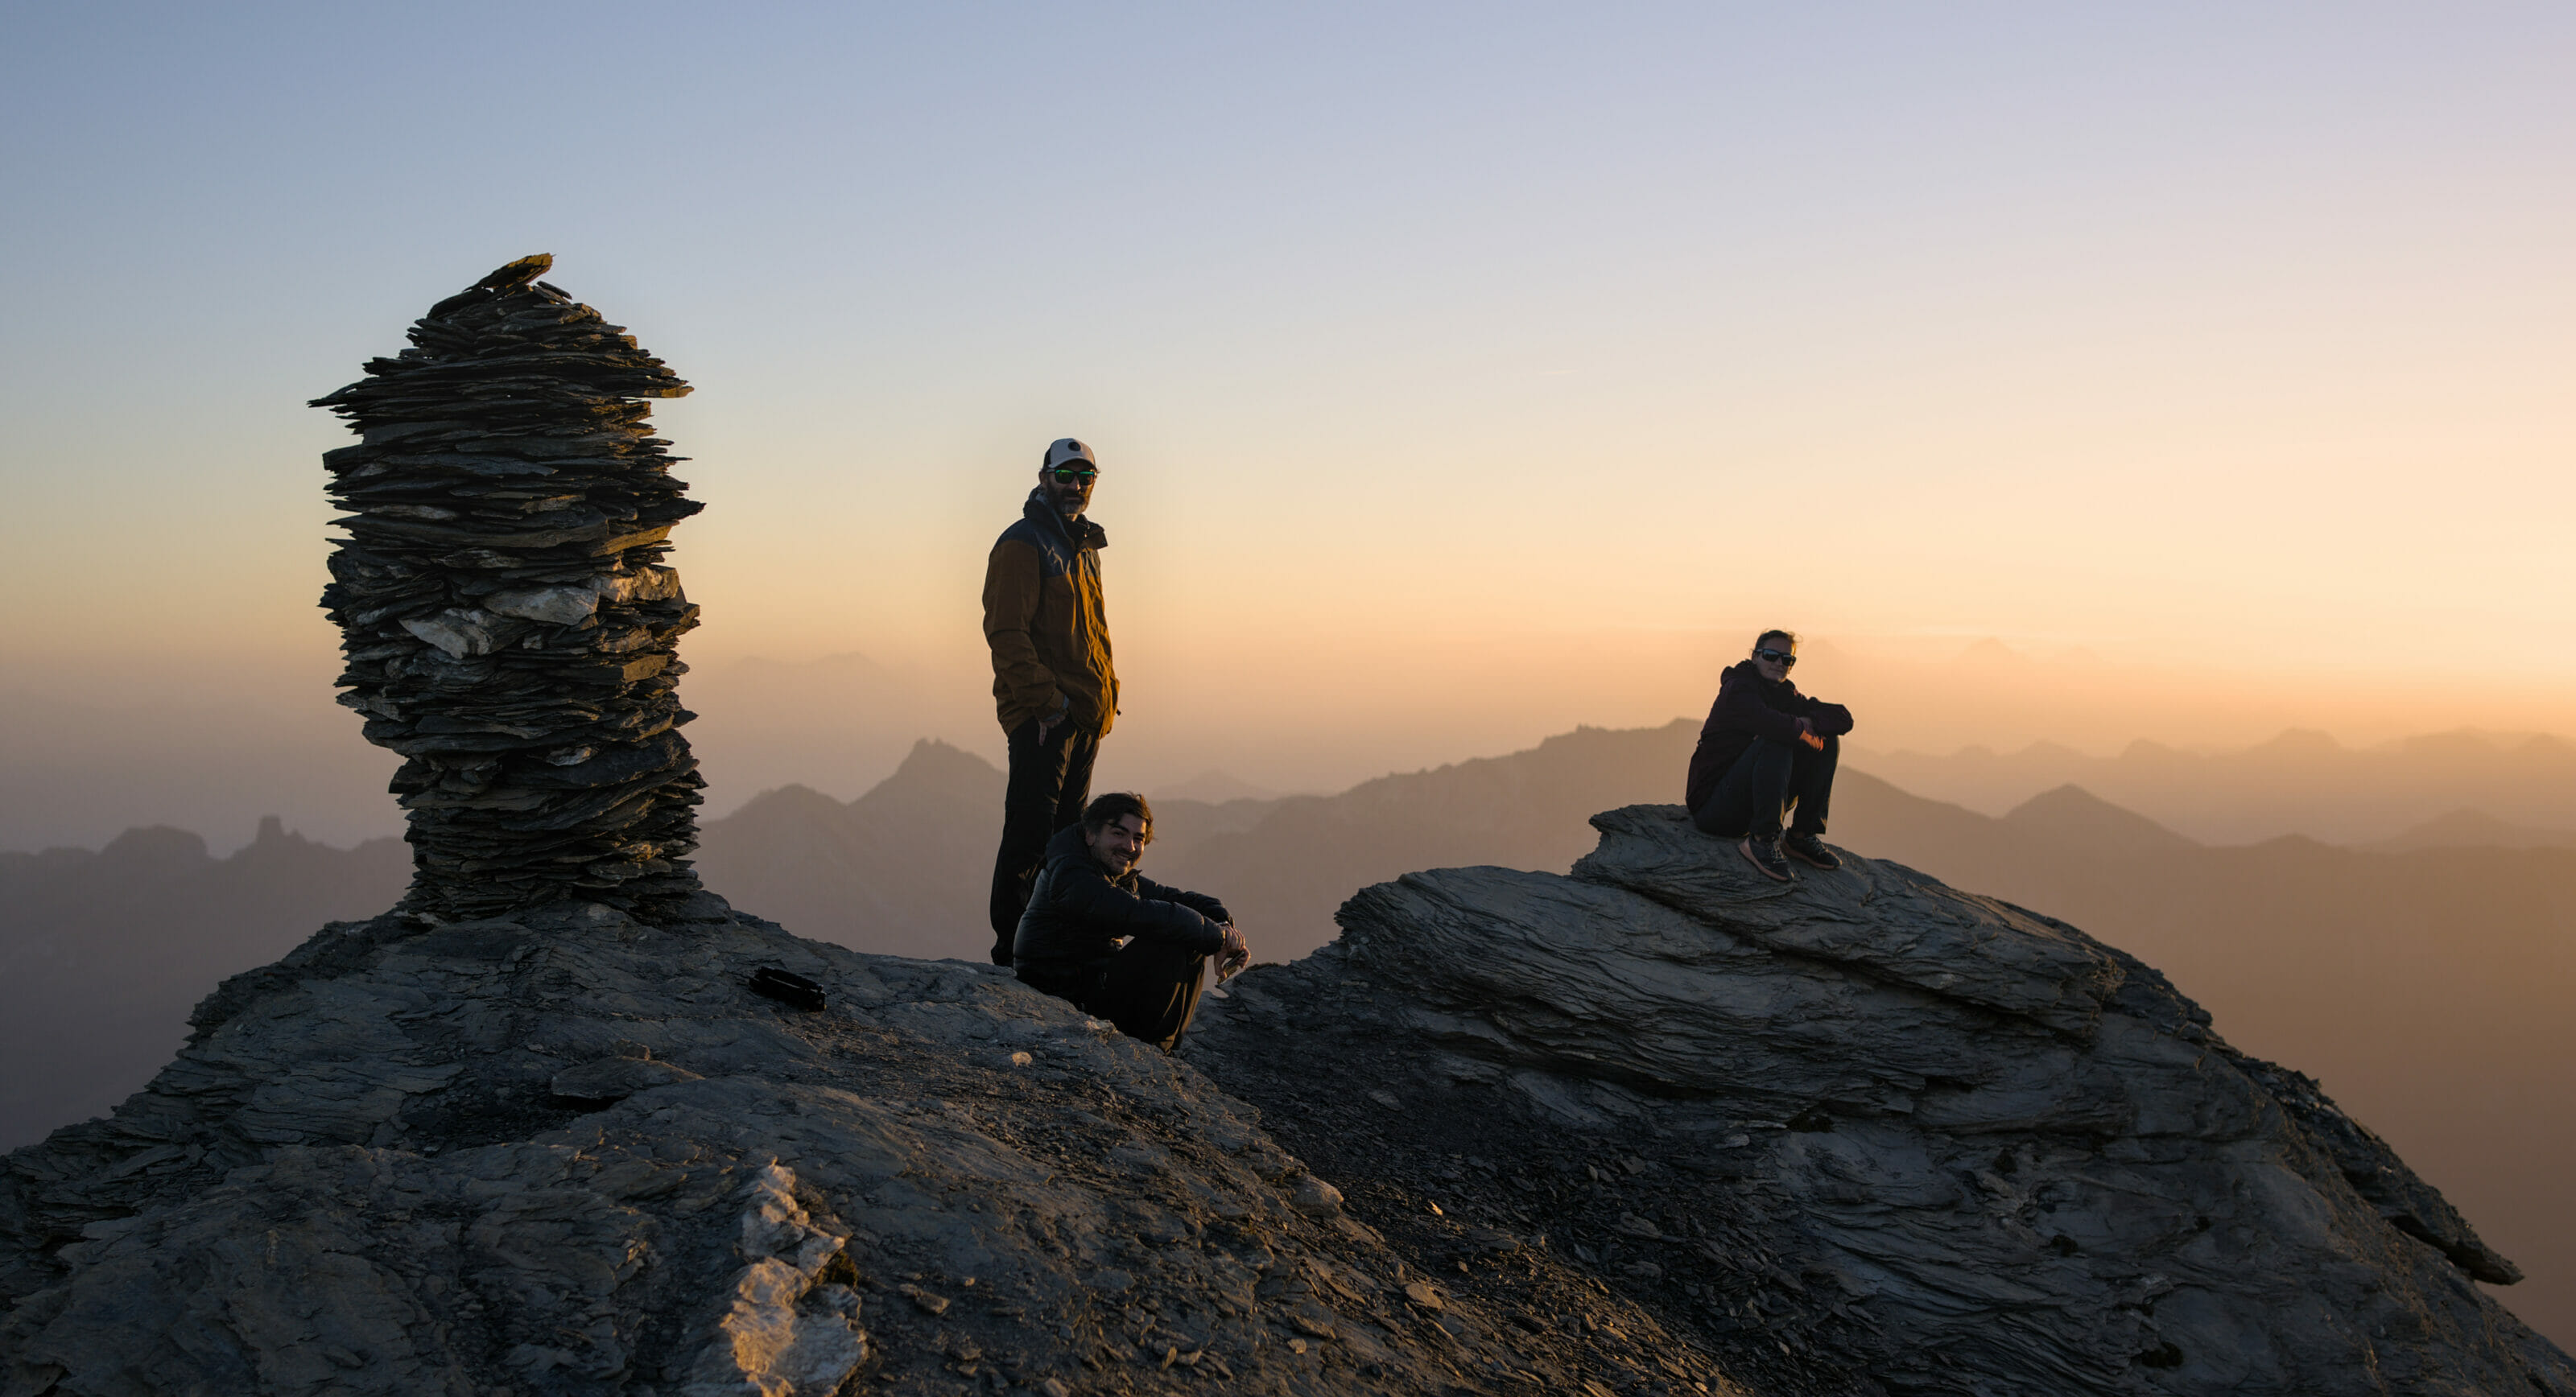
(2474, 829)
(103, 953)
(79, 766)
(2424, 981)
(2298, 783)
(905, 868)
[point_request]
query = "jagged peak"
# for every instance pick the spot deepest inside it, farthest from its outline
(157, 849)
(2070, 814)
(2297, 743)
(935, 759)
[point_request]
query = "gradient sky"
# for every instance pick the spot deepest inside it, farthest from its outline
(1440, 357)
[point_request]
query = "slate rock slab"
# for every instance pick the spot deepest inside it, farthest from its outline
(617, 1078)
(363, 1174)
(1862, 1132)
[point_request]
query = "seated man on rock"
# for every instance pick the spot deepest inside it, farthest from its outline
(1765, 748)
(1115, 942)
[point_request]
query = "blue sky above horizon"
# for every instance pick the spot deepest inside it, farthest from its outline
(1422, 342)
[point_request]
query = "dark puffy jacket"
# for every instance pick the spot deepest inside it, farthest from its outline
(1044, 620)
(1749, 706)
(1078, 914)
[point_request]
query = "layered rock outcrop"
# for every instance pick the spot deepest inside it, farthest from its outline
(1863, 1130)
(385, 1165)
(510, 624)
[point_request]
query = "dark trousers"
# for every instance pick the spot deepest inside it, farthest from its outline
(1756, 793)
(1050, 782)
(1150, 989)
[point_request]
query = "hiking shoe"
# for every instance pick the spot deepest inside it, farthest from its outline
(1764, 855)
(1810, 849)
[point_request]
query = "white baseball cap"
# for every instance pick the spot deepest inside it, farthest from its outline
(1064, 449)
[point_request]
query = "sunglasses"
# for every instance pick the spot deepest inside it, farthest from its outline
(1068, 477)
(1778, 657)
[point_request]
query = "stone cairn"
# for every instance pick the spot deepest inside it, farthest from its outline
(509, 625)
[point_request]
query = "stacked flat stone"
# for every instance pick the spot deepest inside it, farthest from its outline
(509, 624)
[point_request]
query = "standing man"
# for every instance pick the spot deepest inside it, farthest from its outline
(1051, 673)
(1767, 748)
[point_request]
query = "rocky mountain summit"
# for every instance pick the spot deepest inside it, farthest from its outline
(1861, 1133)
(1653, 1128)
(569, 1152)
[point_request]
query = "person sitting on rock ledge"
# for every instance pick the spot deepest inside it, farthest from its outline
(1765, 748)
(1089, 899)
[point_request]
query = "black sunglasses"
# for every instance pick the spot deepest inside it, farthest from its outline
(1067, 477)
(1777, 657)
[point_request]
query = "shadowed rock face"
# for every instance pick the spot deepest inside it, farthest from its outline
(1864, 1132)
(509, 624)
(390, 1164)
